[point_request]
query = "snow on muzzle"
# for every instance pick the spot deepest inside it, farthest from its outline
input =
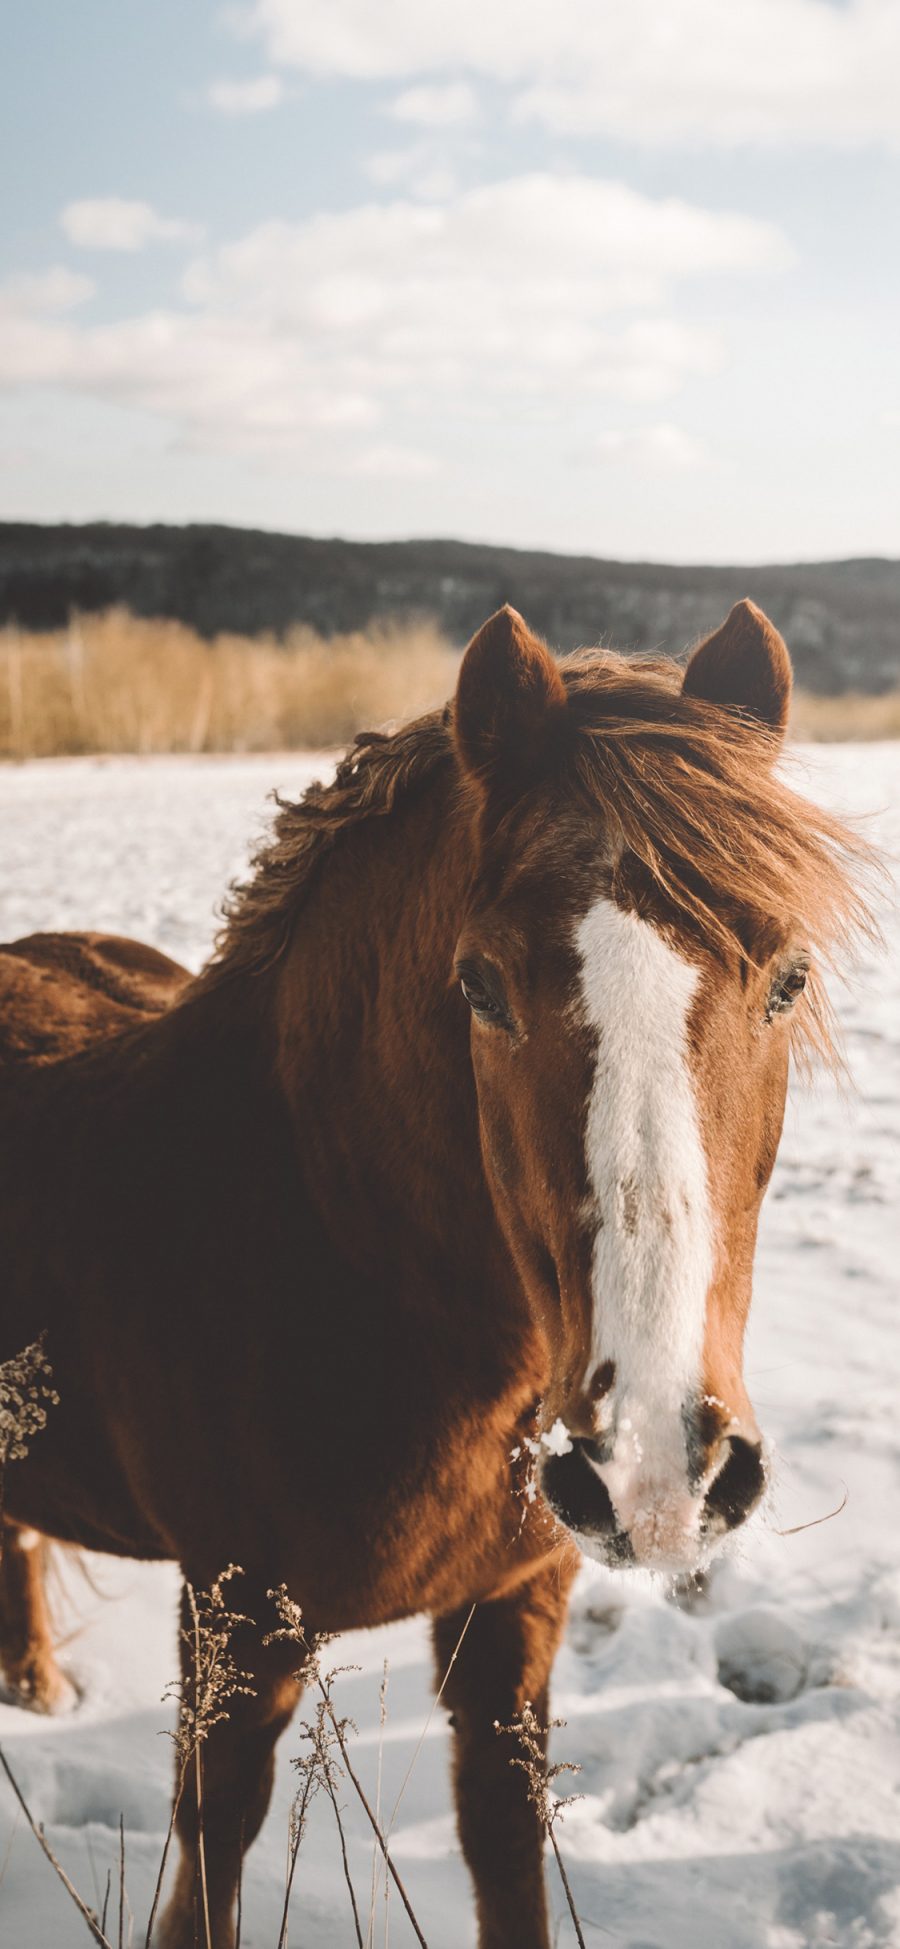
(624, 1509)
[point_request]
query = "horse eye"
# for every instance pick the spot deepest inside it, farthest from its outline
(786, 989)
(479, 997)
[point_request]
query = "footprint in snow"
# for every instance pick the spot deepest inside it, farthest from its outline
(591, 1624)
(762, 1657)
(96, 1792)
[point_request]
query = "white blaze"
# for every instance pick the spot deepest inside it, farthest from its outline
(653, 1246)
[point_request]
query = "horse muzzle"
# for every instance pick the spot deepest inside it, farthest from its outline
(633, 1519)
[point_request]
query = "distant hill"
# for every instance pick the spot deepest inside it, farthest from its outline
(841, 619)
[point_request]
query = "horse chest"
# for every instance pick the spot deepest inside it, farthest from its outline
(422, 1532)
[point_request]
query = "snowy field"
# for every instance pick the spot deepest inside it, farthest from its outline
(741, 1758)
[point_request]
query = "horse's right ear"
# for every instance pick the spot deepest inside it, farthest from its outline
(510, 700)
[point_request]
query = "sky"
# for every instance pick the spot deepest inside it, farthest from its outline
(606, 278)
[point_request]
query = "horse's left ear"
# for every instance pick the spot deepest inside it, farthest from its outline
(744, 666)
(510, 700)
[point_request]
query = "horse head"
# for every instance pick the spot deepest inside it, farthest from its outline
(635, 954)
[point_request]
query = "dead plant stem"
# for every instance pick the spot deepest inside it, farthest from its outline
(198, 1774)
(361, 1795)
(295, 1850)
(382, 1713)
(43, 1843)
(240, 1889)
(340, 1827)
(121, 1881)
(569, 1896)
(176, 1803)
(432, 1710)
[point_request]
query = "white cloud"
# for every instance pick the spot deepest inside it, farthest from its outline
(444, 106)
(31, 336)
(426, 166)
(246, 97)
(651, 71)
(518, 300)
(417, 168)
(663, 448)
(115, 223)
(54, 290)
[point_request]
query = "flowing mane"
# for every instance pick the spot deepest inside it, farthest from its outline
(690, 790)
(381, 770)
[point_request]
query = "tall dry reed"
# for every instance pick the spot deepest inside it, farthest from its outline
(852, 717)
(117, 682)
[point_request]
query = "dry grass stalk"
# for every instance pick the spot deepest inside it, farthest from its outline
(24, 1389)
(203, 1695)
(121, 1882)
(431, 1712)
(376, 1859)
(90, 1918)
(291, 1630)
(239, 1919)
(4, 1864)
(319, 1768)
(532, 1738)
(296, 1830)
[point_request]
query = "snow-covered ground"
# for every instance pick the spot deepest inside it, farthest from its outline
(741, 1757)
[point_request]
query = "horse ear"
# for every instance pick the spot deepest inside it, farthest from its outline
(509, 700)
(744, 666)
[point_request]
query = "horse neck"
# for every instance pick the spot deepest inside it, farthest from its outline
(373, 1051)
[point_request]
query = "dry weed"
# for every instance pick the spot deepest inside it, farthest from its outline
(24, 1390)
(291, 1630)
(210, 1680)
(531, 1738)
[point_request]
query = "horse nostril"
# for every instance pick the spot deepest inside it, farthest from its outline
(575, 1492)
(739, 1483)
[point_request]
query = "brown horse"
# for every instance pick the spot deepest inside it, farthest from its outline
(414, 1240)
(61, 991)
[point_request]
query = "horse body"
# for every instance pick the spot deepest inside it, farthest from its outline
(337, 1263)
(61, 991)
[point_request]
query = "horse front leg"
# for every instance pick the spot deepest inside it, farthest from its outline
(221, 1812)
(504, 1660)
(27, 1653)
